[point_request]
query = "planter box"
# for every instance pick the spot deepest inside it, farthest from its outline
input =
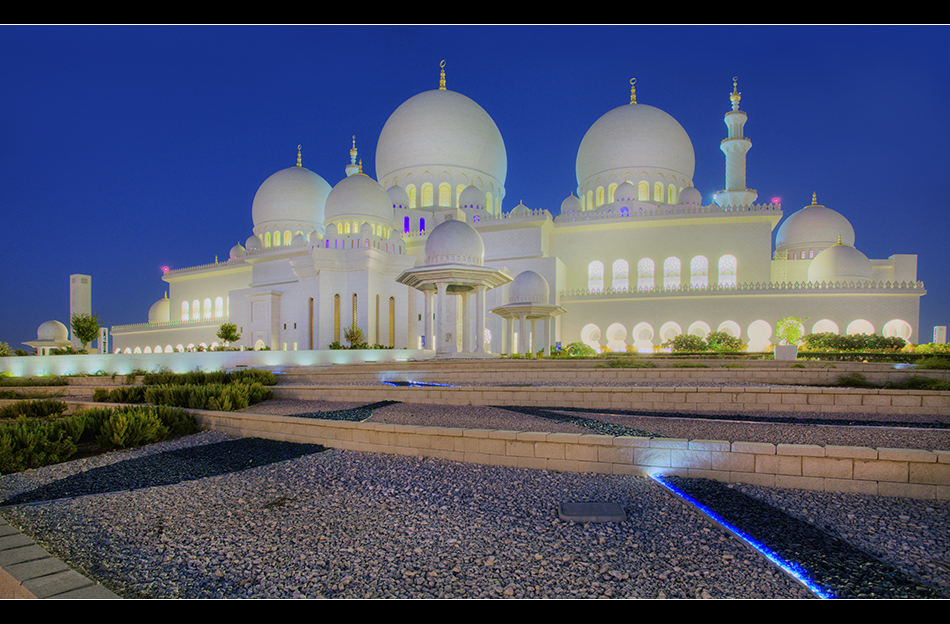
(786, 352)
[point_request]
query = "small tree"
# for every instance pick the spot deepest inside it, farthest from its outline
(85, 327)
(790, 330)
(228, 333)
(355, 336)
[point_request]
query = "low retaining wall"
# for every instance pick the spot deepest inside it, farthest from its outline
(661, 398)
(885, 472)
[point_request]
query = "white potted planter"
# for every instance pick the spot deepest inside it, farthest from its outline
(786, 352)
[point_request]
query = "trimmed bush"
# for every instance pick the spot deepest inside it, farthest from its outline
(41, 408)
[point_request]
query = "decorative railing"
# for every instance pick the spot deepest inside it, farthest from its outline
(169, 324)
(752, 288)
(662, 211)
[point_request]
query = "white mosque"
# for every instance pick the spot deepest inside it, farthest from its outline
(426, 257)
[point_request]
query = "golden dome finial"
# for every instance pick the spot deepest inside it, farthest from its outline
(442, 76)
(633, 90)
(839, 239)
(735, 96)
(298, 155)
(814, 199)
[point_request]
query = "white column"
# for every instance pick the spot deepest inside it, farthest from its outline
(525, 346)
(480, 319)
(427, 327)
(509, 347)
(466, 322)
(439, 334)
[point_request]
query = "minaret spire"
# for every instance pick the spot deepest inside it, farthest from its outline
(735, 146)
(633, 90)
(298, 156)
(353, 167)
(442, 76)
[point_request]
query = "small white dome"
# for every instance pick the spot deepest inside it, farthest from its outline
(814, 226)
(529, 287)
(570, 204)
(625, 191)
(294, 195)
(52, 331)
(455, 242)
(160, 312)
(690, 196)
(254, 242)
(840, 263)
(472, 197)
(398, 196)
(237, 252)
(359, 197)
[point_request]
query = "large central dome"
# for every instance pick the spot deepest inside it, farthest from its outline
(441, 133)
(635, 142)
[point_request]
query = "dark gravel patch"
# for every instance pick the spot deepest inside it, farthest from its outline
(832, 567)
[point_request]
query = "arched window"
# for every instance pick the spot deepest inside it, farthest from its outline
(422, 225)
(405, 225)
(445, 194)
(196, 310)
(671, 194)
(207, 312)
(645, 272)
(266, 239)
(727, 270)
(458, 193)
(426, 195)
(611, 192)
(411, 191)
(671, 272)
(184, 311)
(600, 196)
(489, 205)
(595, 276)
(219, 307)
(590, 200)
(643, 191)
(699, 272)
(288, 237)
(621, 272)
(658, 192)
(276, 239)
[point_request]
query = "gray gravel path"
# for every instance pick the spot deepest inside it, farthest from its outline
(353, 525)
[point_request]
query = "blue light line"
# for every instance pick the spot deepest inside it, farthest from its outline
(790, 567)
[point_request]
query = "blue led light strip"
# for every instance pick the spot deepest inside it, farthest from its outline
(790, 567)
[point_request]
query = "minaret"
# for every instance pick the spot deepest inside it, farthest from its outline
(735, 146)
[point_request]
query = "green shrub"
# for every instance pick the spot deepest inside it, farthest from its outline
(934, 363)
(722, 341)
(131, 427)
(686, 342)
(42, 408)
(122, 394)
(579, 349)
(624, 362)
(829, 341)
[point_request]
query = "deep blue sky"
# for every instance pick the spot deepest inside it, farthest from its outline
(125, 149)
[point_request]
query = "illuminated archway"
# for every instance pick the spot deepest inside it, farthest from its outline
(860, 326)
(760, 334)
(617, 337)
(590, 335)
(897, 328)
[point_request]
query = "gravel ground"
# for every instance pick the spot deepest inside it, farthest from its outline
(280, 521)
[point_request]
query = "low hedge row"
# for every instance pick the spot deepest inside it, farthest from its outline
(33, 441)
(221, 397)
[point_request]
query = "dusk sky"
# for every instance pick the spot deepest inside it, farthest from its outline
(126, 149)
